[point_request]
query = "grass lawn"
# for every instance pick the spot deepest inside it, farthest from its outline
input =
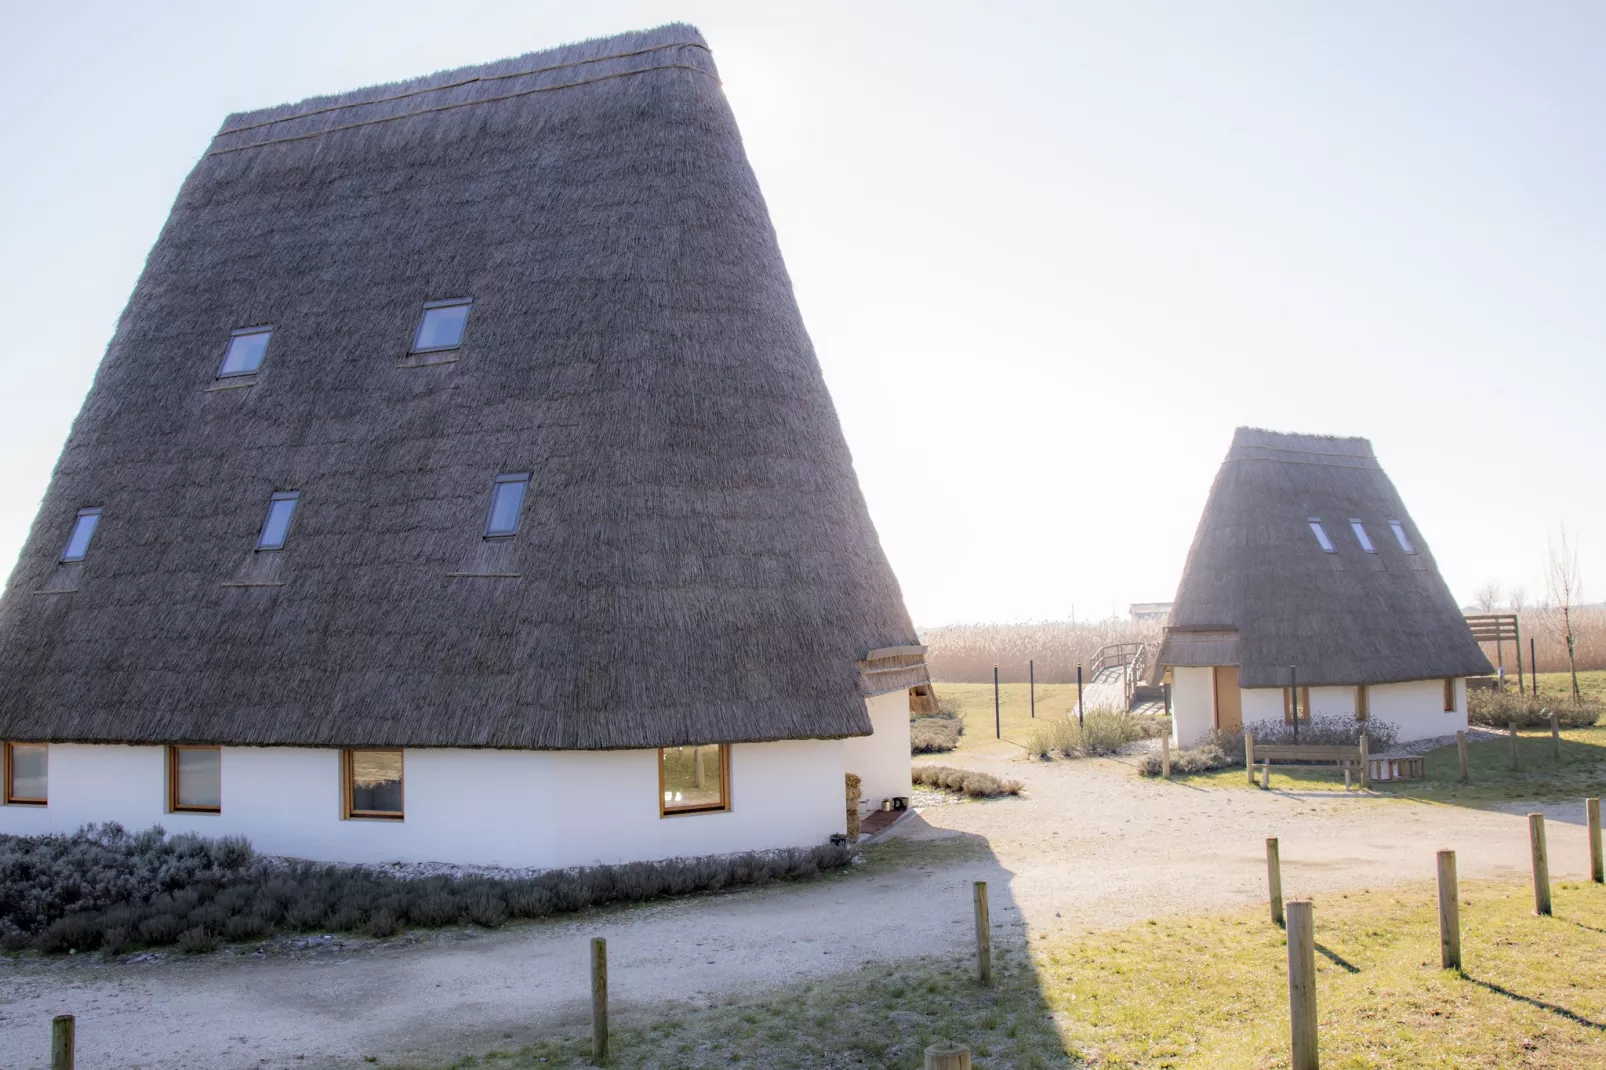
(974, 703)
(1559, 684)
(1202, 991)
(1581, 771)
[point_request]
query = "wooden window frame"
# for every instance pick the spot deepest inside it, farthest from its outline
(1363, 709)
(349, 812)
(173, 805)
(724, 806)
(1449, 694)
(5, 775)
(1304, 704)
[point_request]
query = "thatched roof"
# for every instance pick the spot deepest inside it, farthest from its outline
(1259, 591)
(696, 562)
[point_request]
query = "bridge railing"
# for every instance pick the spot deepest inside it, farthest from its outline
(1130, 658)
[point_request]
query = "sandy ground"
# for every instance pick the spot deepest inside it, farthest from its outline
(1091, 845)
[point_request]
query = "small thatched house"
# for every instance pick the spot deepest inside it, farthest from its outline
(1307, 571)
(460, 484)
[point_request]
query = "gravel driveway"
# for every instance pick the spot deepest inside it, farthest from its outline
(1090, 845)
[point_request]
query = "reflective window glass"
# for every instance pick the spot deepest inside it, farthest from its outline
(507, 499)
(693, 778)
(197, 778)
(245, 352)
(1400, 536)
(83, 529)
(281, 507)
(28, 770)
(1361, 536)
(374, 778)
(1321, 536)
(441, 327)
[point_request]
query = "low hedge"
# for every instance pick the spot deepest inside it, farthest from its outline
(104, 888)
(934, 735)
(968, 781)
(1200, 759)
(1497, 709)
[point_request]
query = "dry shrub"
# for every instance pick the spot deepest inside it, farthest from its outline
(1494, 709)
(934, 735)
(101, 887)
(1100, 732)
(853, 807)
(968, 781)
(967, 653)
(1200, 759)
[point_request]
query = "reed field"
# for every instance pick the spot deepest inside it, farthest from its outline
(966, 653)
(1543, 627)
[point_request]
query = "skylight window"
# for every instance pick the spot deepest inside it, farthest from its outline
(1321, 535)
(507, 502)
(83, 529)
(441, 326)
(1361, 536)
(247, 347)
(281, 507)
(1401, 537)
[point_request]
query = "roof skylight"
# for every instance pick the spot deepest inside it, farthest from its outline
(1401, 537)
(83, 529)
(1361, 536)
(1321, 535)
(442, 325)
(281, 507)
(247, 347)
(507, 501)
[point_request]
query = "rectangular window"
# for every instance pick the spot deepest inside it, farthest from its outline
(1360, 535)
(1321, 535)
(694, 780)
(195, 779)
(1400, 536)
(247, 347)
(441, 326)
(281, 507)
(372, 783)
(1449, 695)
(507, 501)
(27, 774)
(83, 529)
(1288, 704)
(1361, 710)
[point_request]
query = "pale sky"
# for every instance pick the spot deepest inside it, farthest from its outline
(1050, 254)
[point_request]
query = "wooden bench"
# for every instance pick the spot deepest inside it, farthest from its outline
(1346, 756)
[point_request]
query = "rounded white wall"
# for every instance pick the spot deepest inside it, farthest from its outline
(1415, 707)
(1193, 705)
(881, 760)
(483, 807)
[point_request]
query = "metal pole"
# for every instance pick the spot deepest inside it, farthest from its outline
(1517, 634)
(1031, 676)
(1079, 710)
(1293, 698)
(1533, 667)
(998, 724)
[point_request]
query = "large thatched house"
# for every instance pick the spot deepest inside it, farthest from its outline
(460, 483)
(1306, 571)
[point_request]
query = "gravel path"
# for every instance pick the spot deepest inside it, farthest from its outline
(1090, 845)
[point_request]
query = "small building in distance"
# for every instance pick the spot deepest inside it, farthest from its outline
(1149, 610)
(461, 485)
(1306, 566)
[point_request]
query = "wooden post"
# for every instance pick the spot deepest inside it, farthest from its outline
(1592, 816)
(1449, 913)
(1346, 777)
(599, 999)
(1461, 753)
(1555, 735)
(63, 1039)
(1265, 775)
(1536, 840)
(984, 937)
(1274, 880)
(1031, 677)
(1249, 756)
(946, 1056)
(1302, 984)
(998, 724)
(1516, 762)
(1366, 761)
(1165, 757)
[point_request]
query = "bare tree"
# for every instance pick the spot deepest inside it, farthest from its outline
(1487, 597)
(1563, 586)
(1518, 597)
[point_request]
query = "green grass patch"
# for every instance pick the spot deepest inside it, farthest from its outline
(973, 703)
(1200, 991)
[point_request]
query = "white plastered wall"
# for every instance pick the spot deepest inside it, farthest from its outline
(881, 760)
(1415, 707)
(486, 807)
(1193, 704)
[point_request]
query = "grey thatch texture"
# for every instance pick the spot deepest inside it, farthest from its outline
(696, 562)
(1256, 570)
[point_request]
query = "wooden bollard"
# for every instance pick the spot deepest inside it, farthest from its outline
(1592, 817)
(984, 937)
(1555, 735)
(1302, 984)
(1249, 757)
(946, 1056)
(1449, 913)
(599, 999)
(1165, 757)
(1516, 759)
(1274, 880)
(1536, 840)
(63, 1039)
(1265, 776)
(1461, 753)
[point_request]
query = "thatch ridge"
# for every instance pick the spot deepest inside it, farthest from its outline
(696, 562)
(1258, 591)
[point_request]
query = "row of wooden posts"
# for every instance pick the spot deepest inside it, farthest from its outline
(1296, 916)
(1299, 922)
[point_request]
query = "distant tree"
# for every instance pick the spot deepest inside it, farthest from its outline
(1563, 587)
(1487, 597)
(1518, 597)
